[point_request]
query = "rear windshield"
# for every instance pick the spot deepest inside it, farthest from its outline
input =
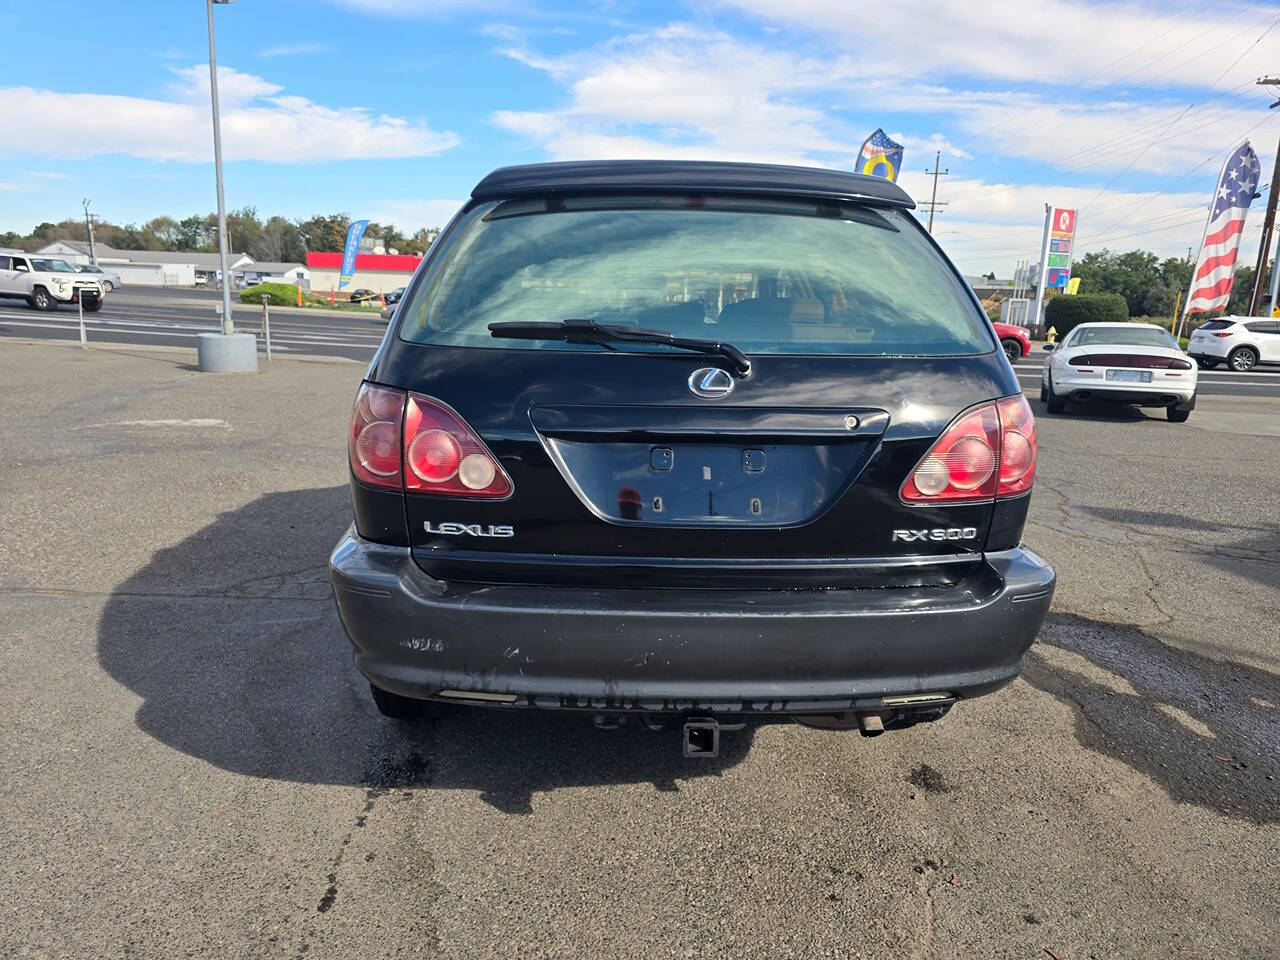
(1216, 325)
(1132, 336)
(767, 276)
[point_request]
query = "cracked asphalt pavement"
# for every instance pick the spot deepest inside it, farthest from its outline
(191, 766)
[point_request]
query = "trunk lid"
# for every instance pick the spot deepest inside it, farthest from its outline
(792, 480)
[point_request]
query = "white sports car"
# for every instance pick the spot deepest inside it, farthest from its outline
(1132, 363)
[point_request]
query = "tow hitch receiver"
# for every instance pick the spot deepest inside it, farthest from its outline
(702, 737)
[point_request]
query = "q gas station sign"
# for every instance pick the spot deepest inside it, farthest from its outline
(1062, 232)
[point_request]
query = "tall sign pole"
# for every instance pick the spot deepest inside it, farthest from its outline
(228, 325)
(1044, 266)
(225, 351)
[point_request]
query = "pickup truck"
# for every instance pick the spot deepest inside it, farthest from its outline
(45, 282)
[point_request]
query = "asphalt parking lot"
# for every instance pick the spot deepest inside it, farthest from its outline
(191, 766)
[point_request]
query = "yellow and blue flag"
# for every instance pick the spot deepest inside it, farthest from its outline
(880, 157)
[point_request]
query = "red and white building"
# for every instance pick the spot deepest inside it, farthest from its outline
(382, 272)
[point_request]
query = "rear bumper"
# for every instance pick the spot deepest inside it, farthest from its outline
(1209, 350)
(1152, 394)
(736, 651)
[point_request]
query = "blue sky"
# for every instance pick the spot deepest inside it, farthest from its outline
(392, 109)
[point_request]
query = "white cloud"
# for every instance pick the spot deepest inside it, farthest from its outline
(8, 187)
(294, 49)
(1048, 41)
(428, 8)
(411, 215)
(259, 122)
(684, 92)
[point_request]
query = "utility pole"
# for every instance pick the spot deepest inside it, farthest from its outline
(1264, 246)
(933, 200)
(88, 222)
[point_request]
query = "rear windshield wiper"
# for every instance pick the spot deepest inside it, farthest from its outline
(577, 330)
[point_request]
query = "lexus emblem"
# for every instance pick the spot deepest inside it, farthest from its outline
(711, 383)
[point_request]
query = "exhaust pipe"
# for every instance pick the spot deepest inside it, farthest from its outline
(870, 724)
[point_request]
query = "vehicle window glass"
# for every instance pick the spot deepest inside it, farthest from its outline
(1216, 324)
(53, 266)
(1133, 336)
(768, 276)
(1263, 326)
(5, 263)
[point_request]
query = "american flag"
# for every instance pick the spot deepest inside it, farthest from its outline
(1211, 281)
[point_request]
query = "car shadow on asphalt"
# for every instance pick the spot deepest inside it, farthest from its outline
(1205, 730)
(232, 641)
(1255, 554)
(1098, 412)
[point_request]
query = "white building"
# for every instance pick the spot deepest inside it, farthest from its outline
(153, 268)
(265, 271)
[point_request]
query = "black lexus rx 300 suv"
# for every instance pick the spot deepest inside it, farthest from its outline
(690, 439)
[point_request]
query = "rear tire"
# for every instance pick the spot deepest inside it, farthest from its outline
(1177, 416)
(42, 300)
(1012, 350)
(92, 305)
(107, 286)
(1242, 359)
(1053, 402)
(396, 707)
(1207, 363)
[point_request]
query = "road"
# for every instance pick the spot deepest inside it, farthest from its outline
(153, 316)
(160, 317)
(190, 765)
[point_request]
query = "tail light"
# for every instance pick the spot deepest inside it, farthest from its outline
(1222, 334)
(373, 445)
(1142, 361)
(443, 455)
(417, 443)
(988, 451)
(1017, 446)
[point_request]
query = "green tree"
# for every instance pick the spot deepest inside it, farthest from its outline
(419, 242)
(327, 233)
(192, 234)
(1132, 275)
(244, 229)
(280, 241)
(1241, 291)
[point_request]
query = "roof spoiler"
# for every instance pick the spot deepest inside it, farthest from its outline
(688, 176)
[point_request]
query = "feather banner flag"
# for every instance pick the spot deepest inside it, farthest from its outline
(1215, 268)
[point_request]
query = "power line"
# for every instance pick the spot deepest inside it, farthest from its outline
(1162, 133)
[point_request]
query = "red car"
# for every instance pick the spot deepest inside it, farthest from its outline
(1014, 340)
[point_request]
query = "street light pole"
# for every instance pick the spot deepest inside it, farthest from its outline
(228, 326)
(227, 351)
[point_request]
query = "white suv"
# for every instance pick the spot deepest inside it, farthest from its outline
(44, 282)
(1243, 342)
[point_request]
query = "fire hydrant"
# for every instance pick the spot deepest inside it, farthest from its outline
(1051, 335)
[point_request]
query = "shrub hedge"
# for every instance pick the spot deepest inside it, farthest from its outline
(1064, 314)
(279, 294)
